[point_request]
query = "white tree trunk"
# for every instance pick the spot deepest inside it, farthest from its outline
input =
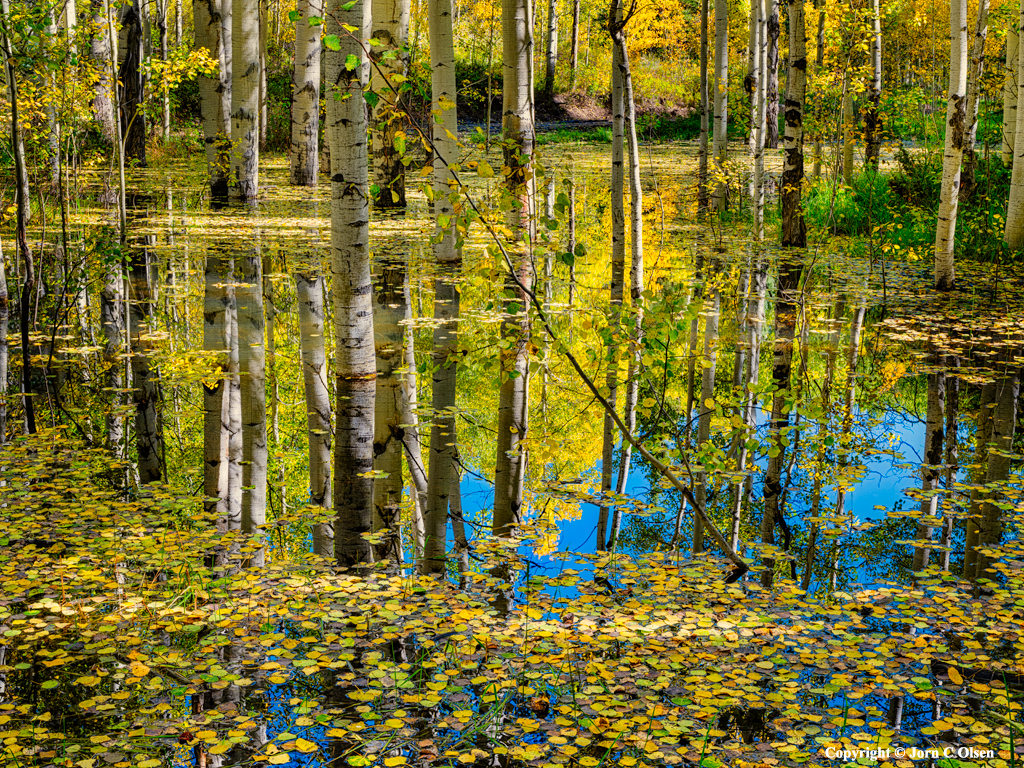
(351, 284)
(1011, 80)
(146, 389)
(216, 395)
(391, 30)
(952, 158)
(551, 52)
(759, 115)
(305, 160)
(931, 469)
(245, 99)
(216, 123)
(720, 144)
(1015, 213)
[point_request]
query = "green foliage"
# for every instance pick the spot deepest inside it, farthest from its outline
(848, 210)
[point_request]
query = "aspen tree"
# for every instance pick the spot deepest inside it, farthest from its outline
(873, 114)
(952, 157)
(1011, 80)
(390, 30)
(215, 91)
(794, 228)
(305, 136)
(253, 398)
(351, 285)
(551, 52)
(977, 68)
(99, 52)
(720, 146)
(705, 110)
(930, 467)
(1014, 234)
(245, 94)
(216, 393)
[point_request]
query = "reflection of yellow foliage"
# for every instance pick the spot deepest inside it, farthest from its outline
(892, 372)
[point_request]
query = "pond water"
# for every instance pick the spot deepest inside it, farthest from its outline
(864, 334)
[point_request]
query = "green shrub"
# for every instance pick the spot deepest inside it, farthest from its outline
(849, 209)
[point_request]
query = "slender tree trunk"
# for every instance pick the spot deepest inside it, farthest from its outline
(771, 139)
(759, 116)
(551, 57)
(264, 11)
(873, 115)
(177, 23)
(819, 61)
(849, 127)
(785, 327)
(389, 311)
(574, 54)
(112, 324)
(1014, 234)
(391, 29)
(351, 283)
(409, 418)
(305, 155)
(441, 468)
(977, 66)
(252, 368)
(618, 273)
(99, 52)
(216, 395)
(514, 393)
(165, 94)
(956, 131)
(636, 280)
(214, 92)
(794, 228)
(245, 99)
(130, 74)
(1011, 83)
(705, 110)
(234, 395)
(309, 291)
(930, 468)
(720, 147)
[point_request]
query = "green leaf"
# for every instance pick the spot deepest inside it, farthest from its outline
(351, 62)
(332, 42)
(50, 684)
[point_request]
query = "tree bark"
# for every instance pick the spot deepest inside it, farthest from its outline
(956, 130)
(391, 29)
(794, 228)
(759, 115)
(1014, 234)
(705, 110)
(1011, 81)
(720, 145)
(305, 137)
(215, 91)
(99, 52)
(873, 114)
(977, 67)
(771, 139)
(707, 392)
(309, 293)
(245, 99)
(982, 433)
(4, 348)
(574, 54)
(351, 284)
(551, 54)
(130, 74)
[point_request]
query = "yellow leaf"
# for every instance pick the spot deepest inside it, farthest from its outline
(302, 745)
(954, 676)
(279, 759)
(484, 170)
(221, 747)
(392, 761)
(139, 669)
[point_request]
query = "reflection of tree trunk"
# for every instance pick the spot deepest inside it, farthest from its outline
(441, 473)
(409, 419)
(707, 393)
(235, 451)
(1004, 420)
(309, 292)
(785, 328)
(824, 429)
(112, 323)
(950, 460)
(216, 393)
(252, 368)
(4, 314)
(931, 466)
(146, 392)
(982, 432)
(389, 311)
